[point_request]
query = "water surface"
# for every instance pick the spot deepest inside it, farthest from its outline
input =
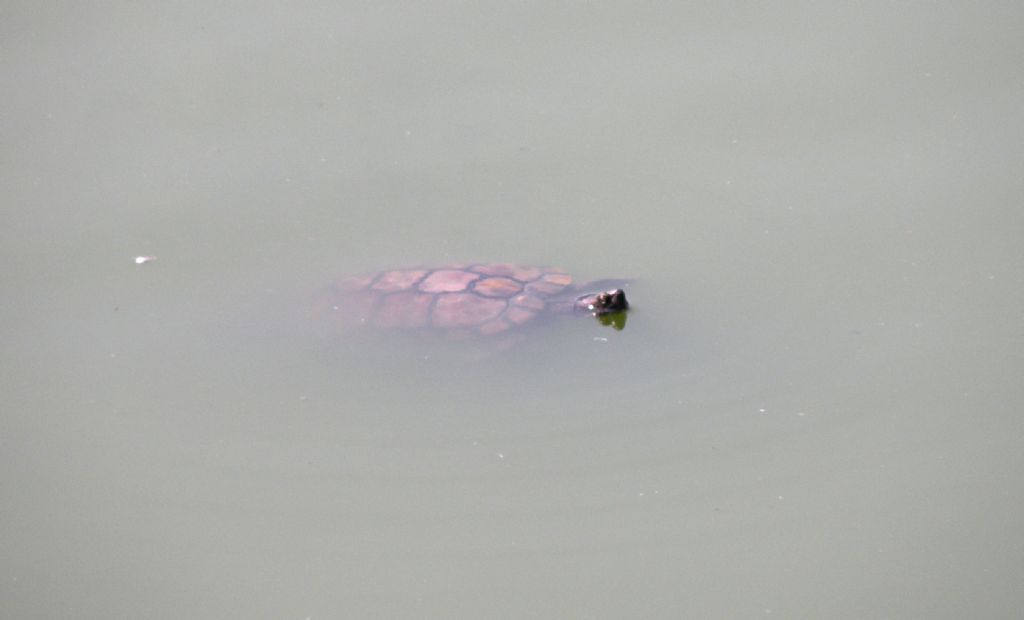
(812, 412)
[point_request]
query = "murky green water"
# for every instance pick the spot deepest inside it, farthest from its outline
(813, 410)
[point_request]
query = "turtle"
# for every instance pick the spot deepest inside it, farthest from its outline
(465, 300)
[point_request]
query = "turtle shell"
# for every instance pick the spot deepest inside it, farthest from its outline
(460, 300)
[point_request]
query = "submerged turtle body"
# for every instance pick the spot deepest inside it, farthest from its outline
(464, 299)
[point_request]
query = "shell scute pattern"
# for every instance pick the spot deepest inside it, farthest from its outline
(447, 281)
(464, 309)
(497, 287)
(461, 300)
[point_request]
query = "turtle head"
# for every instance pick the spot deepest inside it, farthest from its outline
(608, 307)
(606, 302)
